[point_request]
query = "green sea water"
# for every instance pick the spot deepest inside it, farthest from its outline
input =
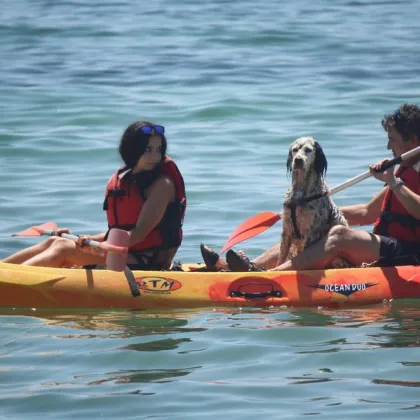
(234, 83)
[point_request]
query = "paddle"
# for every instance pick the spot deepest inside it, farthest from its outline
(116, 248)
(261, 222)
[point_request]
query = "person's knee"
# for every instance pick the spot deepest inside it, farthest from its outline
(62, 247)
(51, 241)
(337, 237)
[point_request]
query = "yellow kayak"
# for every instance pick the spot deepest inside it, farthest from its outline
(40, 287)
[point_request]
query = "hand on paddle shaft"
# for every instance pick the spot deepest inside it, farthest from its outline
(383, 172)
(115, 248)
(261, 222)
(82, 241)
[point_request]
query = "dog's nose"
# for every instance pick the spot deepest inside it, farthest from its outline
(298, 161)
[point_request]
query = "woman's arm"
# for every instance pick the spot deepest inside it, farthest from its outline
(98, 237)
(161, 193)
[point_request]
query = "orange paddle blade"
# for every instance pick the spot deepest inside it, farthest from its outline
(37, 230)
(251, 227)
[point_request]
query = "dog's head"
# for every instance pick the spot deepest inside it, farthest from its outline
(306, 155)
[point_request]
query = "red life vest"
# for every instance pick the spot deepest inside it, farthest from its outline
(124, 200)
(394, 220)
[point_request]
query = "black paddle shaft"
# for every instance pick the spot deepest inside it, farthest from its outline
(390, 164)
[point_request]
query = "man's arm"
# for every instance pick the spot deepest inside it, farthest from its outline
(409, 199)
(364, 214)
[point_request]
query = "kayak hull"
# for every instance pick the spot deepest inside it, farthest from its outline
(40, 287)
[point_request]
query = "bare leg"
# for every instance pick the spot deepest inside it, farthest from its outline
(355, 246)
(268, 259)
(64, 253)
(27, 253)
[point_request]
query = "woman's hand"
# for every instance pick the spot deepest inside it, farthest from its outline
(60, 231)
(83, 245)
(387, 176)
(83, 239)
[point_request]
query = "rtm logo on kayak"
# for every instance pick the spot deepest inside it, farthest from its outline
(158, 284)
(343, 289)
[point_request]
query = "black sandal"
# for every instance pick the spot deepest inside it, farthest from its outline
(210, 257)
(238, 263)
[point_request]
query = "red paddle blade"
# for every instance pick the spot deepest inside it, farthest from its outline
(116, 248)
(251, 227)
(243, 236)
(37, 230)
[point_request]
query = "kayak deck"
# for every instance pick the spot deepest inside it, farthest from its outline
(40, 287)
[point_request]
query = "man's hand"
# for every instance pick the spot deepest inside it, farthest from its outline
(387, 176)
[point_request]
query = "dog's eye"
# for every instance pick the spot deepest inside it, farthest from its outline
(295, 149)
(308, 150)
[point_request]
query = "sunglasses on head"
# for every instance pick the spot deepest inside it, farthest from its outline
(149, 129)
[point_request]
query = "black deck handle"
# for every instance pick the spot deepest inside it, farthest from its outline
(256, 295)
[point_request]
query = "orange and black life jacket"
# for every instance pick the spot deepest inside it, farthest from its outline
(394, 220)
(125, 197)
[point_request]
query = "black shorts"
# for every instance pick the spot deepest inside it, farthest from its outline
(390, 247)
(145, 260)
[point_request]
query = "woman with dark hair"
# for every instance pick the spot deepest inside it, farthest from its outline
(145, 197)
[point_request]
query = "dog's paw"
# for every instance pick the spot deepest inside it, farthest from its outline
(341, 263)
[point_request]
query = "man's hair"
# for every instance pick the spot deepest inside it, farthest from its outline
(406, 120)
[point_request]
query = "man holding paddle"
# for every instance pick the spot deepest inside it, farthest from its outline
(394, 211)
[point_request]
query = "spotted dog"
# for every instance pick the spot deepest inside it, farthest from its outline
(308, 212)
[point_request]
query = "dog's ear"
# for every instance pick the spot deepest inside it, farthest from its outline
(289, 162)
(321, 163)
